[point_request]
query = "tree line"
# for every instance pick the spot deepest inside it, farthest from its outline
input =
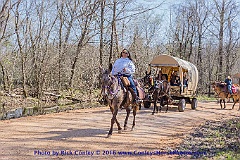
(59, 44)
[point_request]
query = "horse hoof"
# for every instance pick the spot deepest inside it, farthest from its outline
(109, 136)
(153, 113)
(119, 131)
(125, 128)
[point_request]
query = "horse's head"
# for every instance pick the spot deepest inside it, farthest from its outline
(163, 86)
(219, 87)
(108, 81)
(106, 76)
(148, 80)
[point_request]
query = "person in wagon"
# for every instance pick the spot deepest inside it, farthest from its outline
(185, 81)
(175, 79)
(125, 66)
(159, 75)
(228, 81)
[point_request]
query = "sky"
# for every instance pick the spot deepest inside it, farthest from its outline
(165, 3)
(163, 10)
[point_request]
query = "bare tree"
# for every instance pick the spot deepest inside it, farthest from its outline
(20, 45)
(103, 2)
(87, 13)
(67, 15)
(232, 42)
(4, 16)
(114, 37)
(226, 14)
(200, 14)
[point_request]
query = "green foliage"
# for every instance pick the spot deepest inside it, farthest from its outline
(229, 155)
(205, 98)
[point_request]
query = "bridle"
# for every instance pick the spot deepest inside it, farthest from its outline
(108, 87)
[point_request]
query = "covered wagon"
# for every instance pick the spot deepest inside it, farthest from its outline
(170, 67)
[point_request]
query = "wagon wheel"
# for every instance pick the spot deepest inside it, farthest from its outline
(182, 105)
(194, 103)
(146, 104)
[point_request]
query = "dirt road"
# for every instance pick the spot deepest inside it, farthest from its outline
(81, 134)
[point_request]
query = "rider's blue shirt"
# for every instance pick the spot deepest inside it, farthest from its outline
(228, 81)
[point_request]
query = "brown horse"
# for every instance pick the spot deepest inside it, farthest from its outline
(161, 92)
(117, 97)
(236, 97)
(221, 90)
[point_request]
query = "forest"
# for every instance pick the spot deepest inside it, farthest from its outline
(57, 46)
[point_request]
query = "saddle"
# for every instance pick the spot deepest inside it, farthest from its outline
(125, 81)
(126, 84)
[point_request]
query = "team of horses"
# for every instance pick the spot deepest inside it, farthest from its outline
(119, 96)
(159, 90)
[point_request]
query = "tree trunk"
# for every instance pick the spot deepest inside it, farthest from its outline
(220, 49)
(23, 56)
(101, 32)
(112, 34)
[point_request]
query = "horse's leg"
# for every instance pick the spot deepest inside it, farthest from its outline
(154, 106)
(134, 115)
(118, 124)
(126, 119)
(114, 118)
(221, 103)
(234, 102)
(167, 105)
(224, 104)
(161, 105)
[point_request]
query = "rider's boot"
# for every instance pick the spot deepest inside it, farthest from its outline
(135, 98)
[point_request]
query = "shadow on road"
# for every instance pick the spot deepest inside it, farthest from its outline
(71, 133)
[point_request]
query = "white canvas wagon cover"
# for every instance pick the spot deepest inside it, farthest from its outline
(170, 61)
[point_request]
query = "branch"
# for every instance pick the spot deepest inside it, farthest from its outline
(149, 9)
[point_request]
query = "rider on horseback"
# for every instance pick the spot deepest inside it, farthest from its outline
(126, 68)
(228, 81)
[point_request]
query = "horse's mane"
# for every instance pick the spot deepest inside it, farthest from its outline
(220, 84)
